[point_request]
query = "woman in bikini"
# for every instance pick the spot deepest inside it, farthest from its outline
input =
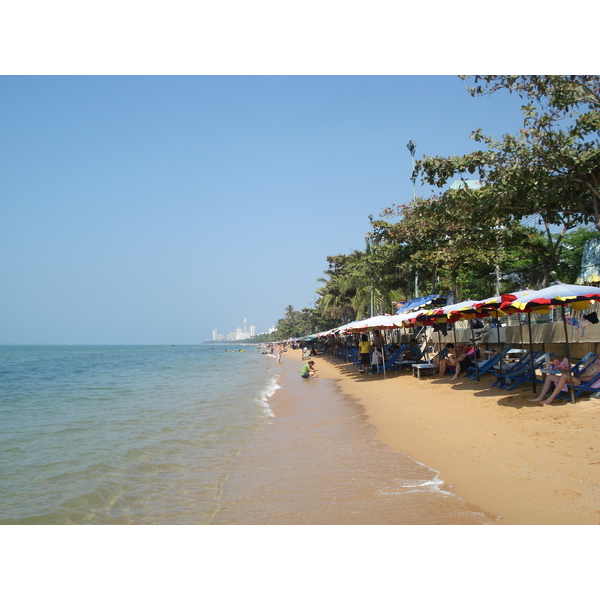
(564, 379)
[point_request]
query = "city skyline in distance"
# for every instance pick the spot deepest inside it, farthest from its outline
(240, 333)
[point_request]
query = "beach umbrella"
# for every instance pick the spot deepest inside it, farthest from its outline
(497, 306)
(379, 322)
(464, 310)
(447, 314)
(578, 297)
(423, 302)
(371, 324)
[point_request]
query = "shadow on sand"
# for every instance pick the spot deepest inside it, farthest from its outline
(480, 389)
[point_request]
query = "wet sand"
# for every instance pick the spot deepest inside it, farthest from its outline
(522, 462)
(318, 462)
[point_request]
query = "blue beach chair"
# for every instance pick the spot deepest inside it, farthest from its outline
(487, 365)
(390, 363)
(514, 369)
(584, 363)
(591, 386)
(523, 374)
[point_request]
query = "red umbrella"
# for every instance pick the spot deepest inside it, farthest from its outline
(562, 294)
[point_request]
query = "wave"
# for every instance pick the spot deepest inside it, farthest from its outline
(263, 398)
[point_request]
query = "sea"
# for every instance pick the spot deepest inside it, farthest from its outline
(196, 435)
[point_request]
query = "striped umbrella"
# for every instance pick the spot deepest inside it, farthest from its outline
(578, 297)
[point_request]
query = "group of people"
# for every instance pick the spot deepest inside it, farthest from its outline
(371, 353)
(459, 358)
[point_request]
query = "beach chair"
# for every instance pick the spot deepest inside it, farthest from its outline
(584, 363)
(514, 369)
(427, 353)
(390, 363)
(591, 386)
(487, 365)
(523, 374)
(352, 355)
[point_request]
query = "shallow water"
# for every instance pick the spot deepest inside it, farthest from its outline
(123, 434)
(190, 435)
(317, 462)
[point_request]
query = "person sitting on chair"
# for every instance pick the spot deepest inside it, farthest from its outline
(413, 352)
(463, 359)
(562, 380)
(442, 358)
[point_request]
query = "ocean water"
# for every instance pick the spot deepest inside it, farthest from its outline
(124, 434)
(194, 435)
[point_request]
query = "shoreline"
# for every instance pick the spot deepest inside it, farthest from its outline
(317, 462)
(524, 463)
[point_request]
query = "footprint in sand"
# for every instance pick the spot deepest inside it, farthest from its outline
(567, 493)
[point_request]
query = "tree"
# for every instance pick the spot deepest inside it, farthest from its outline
(552, 166)
(445, 234)
(569, 265)
(338, 289)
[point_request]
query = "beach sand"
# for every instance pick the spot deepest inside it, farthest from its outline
(521, 462)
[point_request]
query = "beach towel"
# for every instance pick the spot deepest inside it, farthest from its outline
(563, 365)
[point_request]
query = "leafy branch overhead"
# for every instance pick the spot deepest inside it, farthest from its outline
(550, 168)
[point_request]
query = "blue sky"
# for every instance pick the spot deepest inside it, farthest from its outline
(154, 209)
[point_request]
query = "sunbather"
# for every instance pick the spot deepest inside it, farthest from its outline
(444, 358)
(562, 380)
(463, 359)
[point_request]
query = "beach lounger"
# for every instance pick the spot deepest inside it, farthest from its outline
(514, 369)
(591, 386)
(584, 363)
(486, 366)
(400, 363)
(514, 378)
(390, 363)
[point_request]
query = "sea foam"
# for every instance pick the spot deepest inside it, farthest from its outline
(263, 398)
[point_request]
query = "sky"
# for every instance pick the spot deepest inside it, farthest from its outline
(145, 199)
(156, 209)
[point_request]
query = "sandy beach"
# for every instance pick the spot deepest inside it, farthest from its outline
(524, 463)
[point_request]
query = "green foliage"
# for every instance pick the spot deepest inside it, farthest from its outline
(573, 244)
(550, 168)
(443, 234)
